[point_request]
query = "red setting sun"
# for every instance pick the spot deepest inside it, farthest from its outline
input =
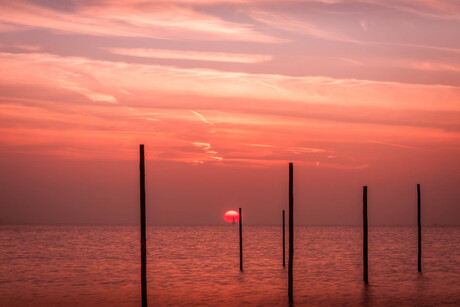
(231, 216)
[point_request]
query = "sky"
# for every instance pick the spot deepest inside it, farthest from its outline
(224, 94)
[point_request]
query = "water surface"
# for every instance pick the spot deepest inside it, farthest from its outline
(199, 265)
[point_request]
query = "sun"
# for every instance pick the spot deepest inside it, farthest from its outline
(231, 216)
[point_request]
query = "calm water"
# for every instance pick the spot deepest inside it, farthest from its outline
(100, 265)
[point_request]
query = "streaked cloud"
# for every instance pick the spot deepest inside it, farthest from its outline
(107, 77)
(28, 47)
(436, 66)
(193, 55)
(395, 145)
(443, 9)
(297, 26)
(206, 147)
(290, 149)
(239, 82)
(157, 20)
(94, 96)
(201, 117)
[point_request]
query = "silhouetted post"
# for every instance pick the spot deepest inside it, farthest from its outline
(419, 223)
(143, 238)
(365, 263)
(284, 240)
(241, 240)
(291, 233)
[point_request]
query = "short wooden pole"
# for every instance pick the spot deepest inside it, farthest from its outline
(241, 240)
(143, 236)
(365, 237)
(284, 239)
(291, 234)
(419, 224)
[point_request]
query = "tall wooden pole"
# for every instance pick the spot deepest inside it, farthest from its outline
(284, 239)
(241, 240)
(365, 247)
(143, 237)
(291, 234)
(419, 223)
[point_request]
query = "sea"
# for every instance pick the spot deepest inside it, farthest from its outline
(199, 266)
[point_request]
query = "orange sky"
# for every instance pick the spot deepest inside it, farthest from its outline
(223, 94)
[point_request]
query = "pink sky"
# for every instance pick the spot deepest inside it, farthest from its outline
(224, 94)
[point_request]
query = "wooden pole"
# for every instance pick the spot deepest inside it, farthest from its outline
(284, 240)
(241, 240)
(365, 247)
(419, 224)
(143, 237)
(291, 234)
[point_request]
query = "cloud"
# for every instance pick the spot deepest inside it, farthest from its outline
(201, 117)
(395, 145)
(39, 69)
(310, 81)
(94, 96)
(193, 55)
(441, 9)
(104, 79)
(297, 26)
(27, 47)
(290, 149)
(157, 20)
(435, 66)
(206, 147)
(167, 106)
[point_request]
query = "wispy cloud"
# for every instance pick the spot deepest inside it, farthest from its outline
(201, 117)
(206, 147)
(307, 80)
(396, 145)
(440, 9)
(94, 96)
(193, 55)
(435, 66)
(27, 47)
(126, 19)
(290, 149)
(297, 26)
(106, 78)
